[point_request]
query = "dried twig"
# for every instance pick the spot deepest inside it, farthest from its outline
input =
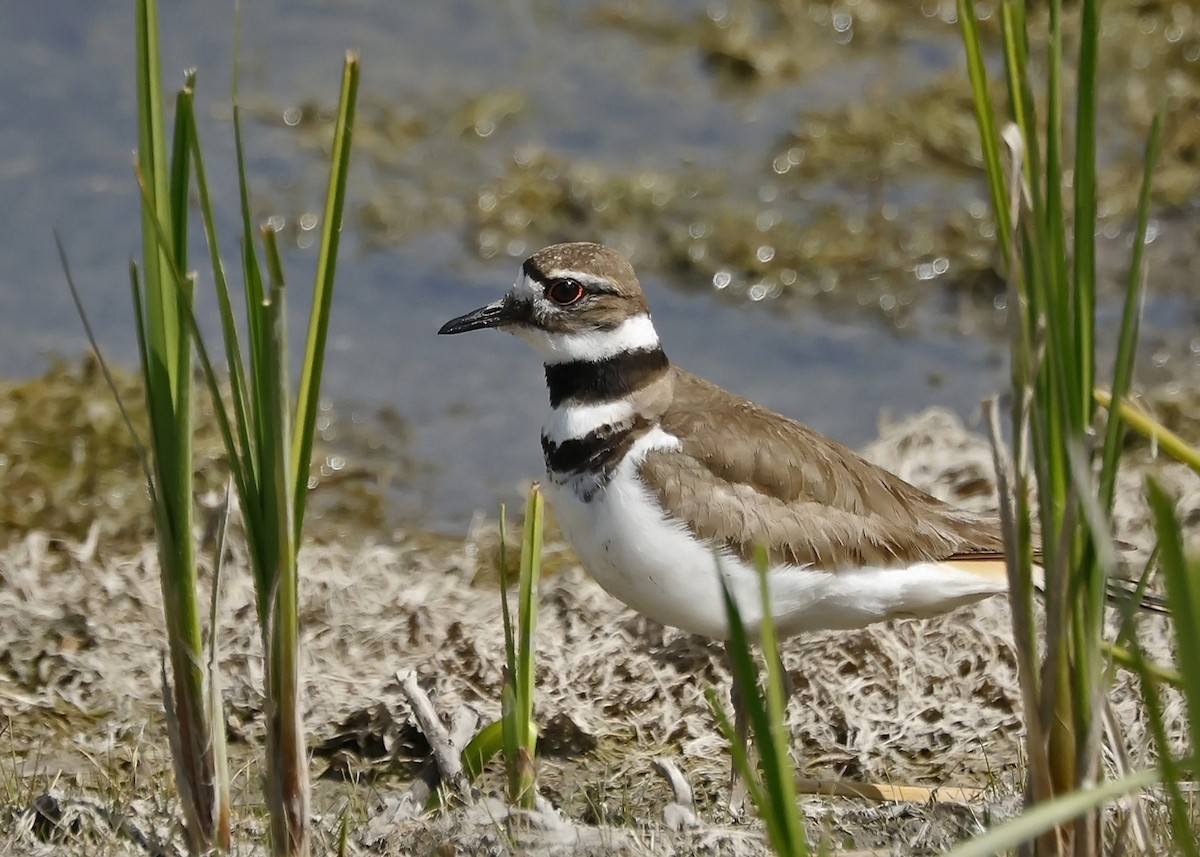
(445, 754)
(681, 812)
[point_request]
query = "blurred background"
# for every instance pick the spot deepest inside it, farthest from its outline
(797, 182)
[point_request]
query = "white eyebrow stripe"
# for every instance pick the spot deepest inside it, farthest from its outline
(582, 276)
(591, 346)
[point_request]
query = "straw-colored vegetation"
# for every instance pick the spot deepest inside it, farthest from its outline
(613, 698)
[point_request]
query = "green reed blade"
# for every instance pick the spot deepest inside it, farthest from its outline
(1084, 252)
(307, 401)
(1130, 321)
(989, 136)
(246, 456)
(1037, 820)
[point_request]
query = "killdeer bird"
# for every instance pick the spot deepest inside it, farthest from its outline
(659, 478)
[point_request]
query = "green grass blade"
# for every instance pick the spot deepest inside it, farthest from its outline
(258, 325)
(774, 792)
(1044, 817)
(1145, 425)
(510, 644)
(245, 452)
(989, 137)
(531, 562)
(243, 478)
(481, 749)
(745, 679)
(1061, 333)
(741, 758)
(780, 777)
(1171, 772)
(1130, 321)
(307, 401)
(216, 705)
(277, 512)
(287, 791)
(180, 172)
(138, 447)
(162, 327)
(1084, 255)
(1020, 94)
(510, 734)
(253, 277)
(159, 361)
(166, 367)
(1183, 597)
(193, 331)
(1133, 660)
(182, 429)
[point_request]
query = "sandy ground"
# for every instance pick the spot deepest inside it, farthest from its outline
(84, 767)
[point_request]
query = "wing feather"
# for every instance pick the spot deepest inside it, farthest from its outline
(807, 498)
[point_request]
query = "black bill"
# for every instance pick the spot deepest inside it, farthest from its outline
(493, 315)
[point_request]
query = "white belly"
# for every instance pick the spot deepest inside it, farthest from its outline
(626, 542)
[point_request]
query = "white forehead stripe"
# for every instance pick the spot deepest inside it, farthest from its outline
(526, 289)
(591, 346)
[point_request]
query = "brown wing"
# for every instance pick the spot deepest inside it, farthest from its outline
(748, 476)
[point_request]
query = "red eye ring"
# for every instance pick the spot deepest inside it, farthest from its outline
(564, 291)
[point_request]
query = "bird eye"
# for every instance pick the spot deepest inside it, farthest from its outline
(565, 291)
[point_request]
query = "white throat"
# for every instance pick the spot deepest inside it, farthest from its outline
(591, 346)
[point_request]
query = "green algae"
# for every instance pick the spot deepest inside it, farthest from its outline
(67, 460)
(879, 261)
(68, 463)
(869, 206)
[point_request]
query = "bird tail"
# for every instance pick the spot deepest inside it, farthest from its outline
(1121, 591)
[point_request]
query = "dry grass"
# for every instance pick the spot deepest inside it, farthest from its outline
(931, 702)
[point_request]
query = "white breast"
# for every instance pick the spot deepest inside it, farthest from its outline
(656, 566)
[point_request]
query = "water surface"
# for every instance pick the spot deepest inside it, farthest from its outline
(472, 405)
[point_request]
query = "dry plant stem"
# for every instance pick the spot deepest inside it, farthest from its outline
(287, 788)
(222, 808)
(1145, 425)
(1101, 722)
(441, 744)
(1024, 633)
(186, 756)
(1137, 823)
(887, 792)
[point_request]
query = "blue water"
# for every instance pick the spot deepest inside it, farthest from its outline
(473, 403)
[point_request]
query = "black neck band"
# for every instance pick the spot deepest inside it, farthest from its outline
(586, 382)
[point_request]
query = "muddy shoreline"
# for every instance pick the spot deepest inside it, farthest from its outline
(931, 702)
